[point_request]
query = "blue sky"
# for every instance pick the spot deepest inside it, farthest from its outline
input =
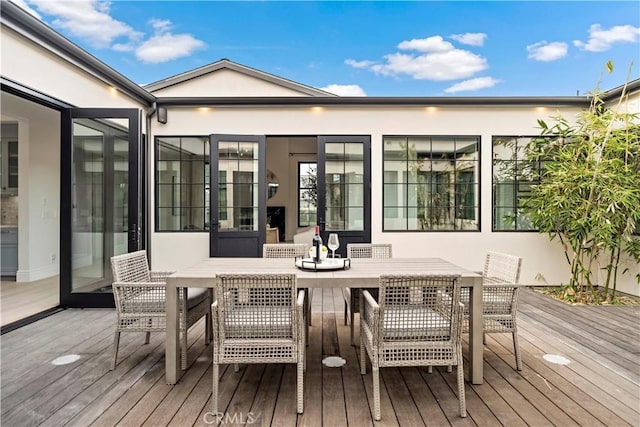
(427, 48)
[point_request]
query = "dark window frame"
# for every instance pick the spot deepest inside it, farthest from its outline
(453, 196)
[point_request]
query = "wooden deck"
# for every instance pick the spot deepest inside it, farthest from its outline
(601, 385)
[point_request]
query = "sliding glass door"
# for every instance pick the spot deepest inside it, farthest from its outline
(101, 204)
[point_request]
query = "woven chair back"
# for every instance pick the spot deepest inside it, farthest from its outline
(419, 307)
(131, 267)
(502, 268)
(257, 306)
(285, 250)
(369, 250)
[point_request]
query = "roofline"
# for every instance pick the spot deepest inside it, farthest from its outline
(628, 88)
(28, 25)
(227, 64)
(546, 101)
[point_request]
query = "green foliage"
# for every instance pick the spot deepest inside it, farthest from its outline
(589, 195)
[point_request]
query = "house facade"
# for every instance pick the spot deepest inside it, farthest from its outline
(202, 163)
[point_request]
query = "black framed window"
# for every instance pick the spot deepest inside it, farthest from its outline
(513, 178)
(307, 194)
(182, 183)
(431, 183)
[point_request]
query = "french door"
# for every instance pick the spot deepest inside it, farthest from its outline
(238, 195)
(344, 188)
(101, 206)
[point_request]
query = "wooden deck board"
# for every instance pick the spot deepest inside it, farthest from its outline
(601, 385)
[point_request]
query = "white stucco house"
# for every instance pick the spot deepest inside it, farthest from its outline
(201, 163)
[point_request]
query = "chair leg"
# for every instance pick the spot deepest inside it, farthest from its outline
(461, 397)
(346, 309)
(376, 393)
(351, 317)
(116, 342)
(516, 349)
(300, 387)
(363, 358)
(309, 300)
(183, 350)
(429, 369)
(450, 368)
(147, 335)
(208, 330)
(214, 396)
(236, 367)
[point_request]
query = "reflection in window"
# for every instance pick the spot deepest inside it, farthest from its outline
(182, 183)
(307, 194)
(430, 183)
(513, 178)
(344, 186)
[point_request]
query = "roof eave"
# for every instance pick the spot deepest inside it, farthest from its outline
(571, 101)
(17, 18)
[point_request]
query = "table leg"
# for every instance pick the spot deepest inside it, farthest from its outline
(476, 348)
(172, 353)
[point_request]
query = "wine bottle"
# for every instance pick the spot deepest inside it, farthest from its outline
(317, 244)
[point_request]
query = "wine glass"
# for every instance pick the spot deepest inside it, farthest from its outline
(333, 243)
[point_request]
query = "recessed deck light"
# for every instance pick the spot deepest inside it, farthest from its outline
(333, 362)
(556, 359)
(66, 359)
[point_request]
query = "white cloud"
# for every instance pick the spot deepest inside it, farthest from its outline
(88, 20)
(472, 39)
(547, 51)
(430, 44)
(166, 47)
(601, 40)
(358, 64)
(473, 84)
(434, 59)
(344, 90)
(452, 65)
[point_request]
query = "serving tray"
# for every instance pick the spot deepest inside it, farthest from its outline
(327, 264)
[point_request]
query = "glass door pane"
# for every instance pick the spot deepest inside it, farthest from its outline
(343, 188)
(237, 171)
(100, 188)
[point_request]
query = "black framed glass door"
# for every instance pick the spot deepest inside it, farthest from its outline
(101, 206)
(344, 188)
(238, 195)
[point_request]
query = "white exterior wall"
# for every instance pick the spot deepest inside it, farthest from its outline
(226, 83)
(34, 66)
(543, 261)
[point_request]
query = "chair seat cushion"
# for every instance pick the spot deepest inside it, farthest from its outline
(415, 323)
(195, 296)
(258, 322)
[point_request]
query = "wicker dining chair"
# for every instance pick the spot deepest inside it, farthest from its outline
(500, 290)
(351, 296)
(139, 296)
(258, 318)
(290, 250)
(417, 321)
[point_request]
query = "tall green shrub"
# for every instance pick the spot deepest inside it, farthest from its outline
(589, 194)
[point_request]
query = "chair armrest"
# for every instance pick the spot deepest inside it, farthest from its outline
(370, 312)
(215, 324)
(139, 297)
(160, 276)
(300, 327)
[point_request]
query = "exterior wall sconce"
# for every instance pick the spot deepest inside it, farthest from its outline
(162, 115)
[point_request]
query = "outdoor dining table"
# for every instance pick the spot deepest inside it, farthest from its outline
(363, 273)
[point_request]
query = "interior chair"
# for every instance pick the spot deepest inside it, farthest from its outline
(351, 296)
(139, 296)
(500, 290)
(417, 321)
(258, 318)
